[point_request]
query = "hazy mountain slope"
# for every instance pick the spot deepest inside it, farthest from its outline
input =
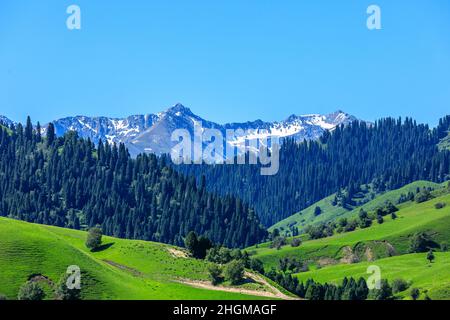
(330, 212)
(386, 155)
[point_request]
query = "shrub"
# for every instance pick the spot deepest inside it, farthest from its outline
(2, 297)
(292, 264)
(390, 208)
(215, 274)
(31, 291)
(234, 272)
(365, 223)
(197, 246)
(257, 265)
(62, 292)
(219, 255)
(317, 211)
(423, 196)
(191, 241)
(439, 205)
(204, 244)
(343, 222)
(351, 226)
(94, 238)
(380, 219)
(384, 293)
(295, 242)
(399, 285)
(415, 293)
(278, 242)
(444, 247)
(430, 256)
(275, 233)
(419, 242)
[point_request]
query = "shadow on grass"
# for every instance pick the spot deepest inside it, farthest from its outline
(246, 280)
(103, 247)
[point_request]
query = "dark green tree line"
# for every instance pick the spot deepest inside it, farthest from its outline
(69, 182)
(389, 154)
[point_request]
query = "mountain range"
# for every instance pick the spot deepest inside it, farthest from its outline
(152, 132)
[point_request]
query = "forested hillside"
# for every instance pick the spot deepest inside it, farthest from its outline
(388, 154)
(68, 182)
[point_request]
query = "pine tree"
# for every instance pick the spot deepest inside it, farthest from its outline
(50, 134)
(430, 256)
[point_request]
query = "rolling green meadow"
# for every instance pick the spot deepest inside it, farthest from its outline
(134, 269)
(385, 245)
(329, 212)
(174, 152)
(413, 268)
(122, 269)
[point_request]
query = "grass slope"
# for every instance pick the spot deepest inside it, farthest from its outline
(329, 212)
(411, 219)
(414, 268)
(124, 269)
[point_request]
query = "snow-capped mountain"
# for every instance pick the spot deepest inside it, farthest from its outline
(5, 121)
(152, 132)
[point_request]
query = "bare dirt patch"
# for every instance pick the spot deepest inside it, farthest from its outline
(177, 253)
(325, 261)
(369, 254)
(41, 278)
(390, 249)
(349, 256)
(271, 291)
(125, 268)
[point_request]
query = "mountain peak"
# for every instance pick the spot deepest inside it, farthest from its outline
(340, 116)
(179, 108)
(152, 133)
(5, 120)
(292, 117)
(339, 112)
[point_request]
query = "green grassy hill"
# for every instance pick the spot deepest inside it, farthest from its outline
(123, 269)
(385, 245)
(329, 212)
(413, 268)
(389, 238)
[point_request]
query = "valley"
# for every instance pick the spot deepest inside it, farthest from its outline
(386, 245)
(122, 269)
(225, 232)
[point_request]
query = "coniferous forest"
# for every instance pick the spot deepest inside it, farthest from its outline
(389, 154)
(69, 182)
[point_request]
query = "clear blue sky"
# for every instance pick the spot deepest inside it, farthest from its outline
(228, 60)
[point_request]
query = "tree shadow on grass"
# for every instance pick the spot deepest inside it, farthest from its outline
(103, 247)
(244, 281)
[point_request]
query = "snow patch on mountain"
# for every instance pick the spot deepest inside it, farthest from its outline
(152, 132)
(6, 121)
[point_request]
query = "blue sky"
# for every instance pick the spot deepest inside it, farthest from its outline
(228, 60)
